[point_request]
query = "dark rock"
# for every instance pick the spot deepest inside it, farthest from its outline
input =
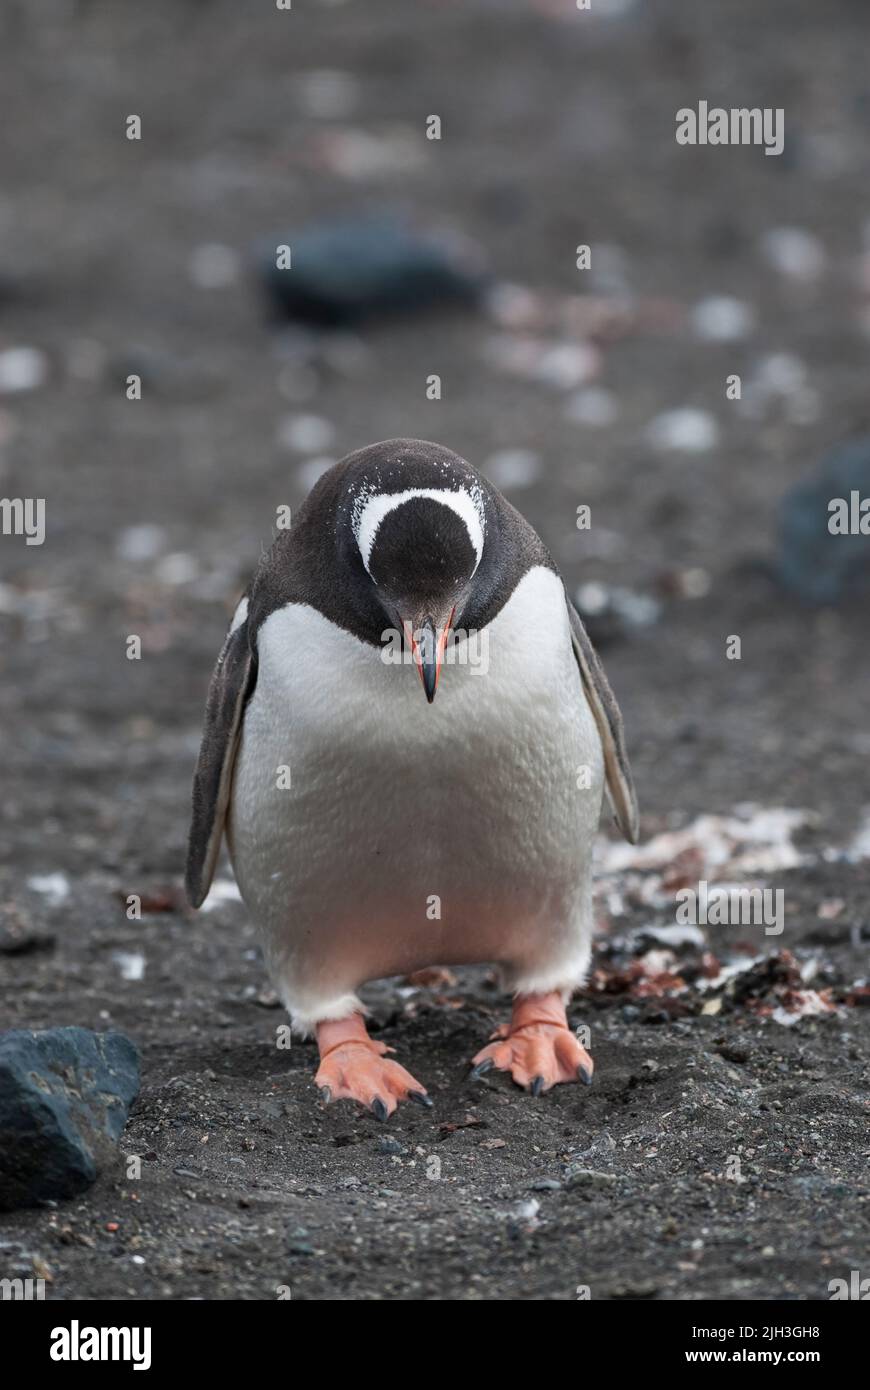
(386, 1145)
(64, 1098)
(814, 564)
(11, 945)
(18, 938)
(345, 272)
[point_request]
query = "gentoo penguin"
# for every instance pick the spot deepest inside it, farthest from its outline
(407, 738)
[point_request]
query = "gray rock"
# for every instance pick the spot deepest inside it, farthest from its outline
(821, 567)
(386, 1145)
(64, 1098)
(354, 269)
(588, 1177)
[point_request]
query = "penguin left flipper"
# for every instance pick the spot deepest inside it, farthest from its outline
(602, 702)
(231, 685)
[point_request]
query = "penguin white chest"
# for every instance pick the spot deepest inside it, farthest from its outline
(372, 833)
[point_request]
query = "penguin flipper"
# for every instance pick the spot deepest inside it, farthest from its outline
(231, 685)
(602, 702)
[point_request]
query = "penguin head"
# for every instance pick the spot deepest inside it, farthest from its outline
(418, 523)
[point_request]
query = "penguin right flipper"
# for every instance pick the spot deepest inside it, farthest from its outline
(231, 685)
(602, 702)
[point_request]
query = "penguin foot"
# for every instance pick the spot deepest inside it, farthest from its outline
(353, 1067)
(537, 1047)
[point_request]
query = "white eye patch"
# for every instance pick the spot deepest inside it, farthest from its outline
(373, 511)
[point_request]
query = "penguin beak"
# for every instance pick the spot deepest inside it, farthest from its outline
(427, 641)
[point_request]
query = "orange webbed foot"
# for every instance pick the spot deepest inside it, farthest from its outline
(538, 1048)
(354, 1067)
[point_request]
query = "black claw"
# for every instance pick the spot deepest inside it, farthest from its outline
(325, 1094)
(420, 1098)
(482, 1068)
(537, 1086)
(379, 1109)
(585, 1074)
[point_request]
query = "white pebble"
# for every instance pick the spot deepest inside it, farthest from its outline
(566, 365)
(306, 434)
(138, 543)
(722, 319)
(794, 252)
(687, 430)
(178, 568)
(130, 963)
(782, 373)
(53, 887)
(513, 468)
(22, 369)
(592, 598)
(593, 406)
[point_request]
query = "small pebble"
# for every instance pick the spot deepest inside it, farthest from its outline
(53, 887)
(566, 365)
(513, 468)
(594, 406)
(686, 430)
(306, 434)
(178, 568)
(794, 252)
(387, 1145)
(138, 543)
(22, 369)
(721, 319)
(130, 963)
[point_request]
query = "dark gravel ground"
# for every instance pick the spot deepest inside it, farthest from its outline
(558, 129)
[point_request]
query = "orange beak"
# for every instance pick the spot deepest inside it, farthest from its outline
(427, 643)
